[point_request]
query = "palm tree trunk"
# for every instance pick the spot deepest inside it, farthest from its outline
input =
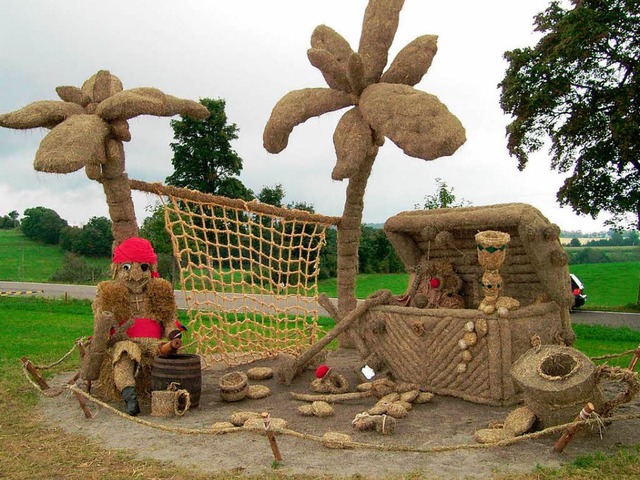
(115, 183)
(349, 232)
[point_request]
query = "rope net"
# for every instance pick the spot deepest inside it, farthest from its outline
(249, 273)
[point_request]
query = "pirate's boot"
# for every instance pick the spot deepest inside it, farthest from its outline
(131, 399)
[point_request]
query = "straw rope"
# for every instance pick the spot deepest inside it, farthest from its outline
(351, 444)
(249, 271)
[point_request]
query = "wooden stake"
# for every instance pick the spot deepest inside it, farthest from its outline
(83, 404)
(270, 435)
(34, 373)
(569, 432)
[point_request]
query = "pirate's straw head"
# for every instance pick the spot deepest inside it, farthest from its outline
(134, 263)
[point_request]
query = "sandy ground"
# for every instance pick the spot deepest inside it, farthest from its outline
(444, 421)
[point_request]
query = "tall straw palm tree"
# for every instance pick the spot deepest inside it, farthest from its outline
(88, 128)
(383, 105)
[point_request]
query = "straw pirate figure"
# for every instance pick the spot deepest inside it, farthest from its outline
(132, 313)
(433, 285)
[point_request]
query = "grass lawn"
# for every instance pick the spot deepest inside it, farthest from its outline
(44, 330)
(609, 285)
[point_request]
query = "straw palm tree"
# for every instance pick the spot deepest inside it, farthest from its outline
(88, 128)
(383, 105)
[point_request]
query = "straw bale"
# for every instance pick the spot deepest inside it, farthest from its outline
(352, 140)
(391, 397)
(379, 27)
(74, 95)
(114, 85)
(382, 387)
(410, 396)
(363, 422)
(333, 72)
(336, 440)
(260, 373)
(258, 391)
(326, 38)
(423, 397)
(257, 424)
(44, 113)
(385, 424)
(417, 122)
(296, 107)
(412, 62)
(306, 410)
(492, 435)
(404, 404)
(520, 420)
(379, 408)
(396, 410)
(321, 409)
(148, 101)
(239, 418)
(72, 144)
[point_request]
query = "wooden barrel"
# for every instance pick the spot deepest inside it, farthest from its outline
(184, 369)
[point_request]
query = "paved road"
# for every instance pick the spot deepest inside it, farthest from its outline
(231, 302)
(266, 302)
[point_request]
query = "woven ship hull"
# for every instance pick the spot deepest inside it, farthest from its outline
(466, 352)
(422, 346)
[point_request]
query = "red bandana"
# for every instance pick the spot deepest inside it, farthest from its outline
(135, 249)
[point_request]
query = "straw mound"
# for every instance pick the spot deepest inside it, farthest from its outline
(412, 62)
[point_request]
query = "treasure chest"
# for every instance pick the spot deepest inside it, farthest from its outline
(466, 352)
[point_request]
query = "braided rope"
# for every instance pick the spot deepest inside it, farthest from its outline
(350, 444)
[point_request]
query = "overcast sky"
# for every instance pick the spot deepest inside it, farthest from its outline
(250, 53)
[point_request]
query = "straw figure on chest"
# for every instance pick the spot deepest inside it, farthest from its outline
(132, 314)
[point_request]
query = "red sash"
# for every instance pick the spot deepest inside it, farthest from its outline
(145, 328)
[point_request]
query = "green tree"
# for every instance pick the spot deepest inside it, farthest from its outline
(96, 239)
(580, 87)
(575, 242)
(154, 229)
(42, 224)
(203, 159)
(10, 220)
(443, 198)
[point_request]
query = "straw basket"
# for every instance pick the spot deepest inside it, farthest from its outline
(166, 403)
(234, 386)
(492, 248)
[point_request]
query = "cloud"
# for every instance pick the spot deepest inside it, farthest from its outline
(251, 53)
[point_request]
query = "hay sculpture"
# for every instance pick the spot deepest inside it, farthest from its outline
(383, 104)
(88, 128)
